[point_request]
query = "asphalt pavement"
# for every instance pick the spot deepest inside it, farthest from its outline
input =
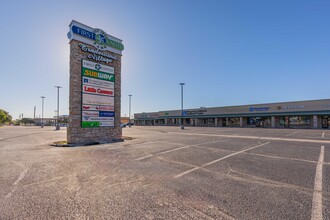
(167, 173)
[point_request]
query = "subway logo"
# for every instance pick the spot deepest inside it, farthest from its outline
(98, 75)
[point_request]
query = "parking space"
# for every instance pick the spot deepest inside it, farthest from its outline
(244, 172)
(165, 172)
(294, 150)
(284, 171)
(244, 197)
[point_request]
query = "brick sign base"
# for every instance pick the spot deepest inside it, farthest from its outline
(77, 135)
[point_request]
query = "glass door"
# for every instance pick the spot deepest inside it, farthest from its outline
(325, 122)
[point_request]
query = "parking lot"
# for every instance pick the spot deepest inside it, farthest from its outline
(165, 172)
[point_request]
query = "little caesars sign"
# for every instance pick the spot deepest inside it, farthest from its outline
(95, 81)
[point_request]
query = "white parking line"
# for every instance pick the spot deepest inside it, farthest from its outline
(144, 157)
(257, 137)
(168, 151)
(21, 176)
(179, 148)
(323, 134)
(317, 195)
(281, 158)
(233, 154)
(292, 133)
(222, 158)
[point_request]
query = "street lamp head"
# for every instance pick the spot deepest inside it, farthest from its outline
(42, 97)
(182, 84)
(58, 87)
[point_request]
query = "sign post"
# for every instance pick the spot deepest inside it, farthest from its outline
(95, 85)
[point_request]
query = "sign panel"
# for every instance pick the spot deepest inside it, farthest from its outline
(107, 123)
(98, 82)
(98, 90)
(90, 118)
(90, 107)
(98, 108)
(98, 75)
(98, 100)
(106, 108)
(99, 37)
(98, 67)
(95, 124)
(106, 114)
(90, 124)
(97, 95)
(90, 113)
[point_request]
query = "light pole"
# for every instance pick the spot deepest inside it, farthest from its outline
(58, 106)
(42, 111)
(129, 111)
(181, 84)
(55, 117)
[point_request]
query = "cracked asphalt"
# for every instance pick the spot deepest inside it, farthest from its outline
(167, 173)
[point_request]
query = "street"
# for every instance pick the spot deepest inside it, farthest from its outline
(168, 173)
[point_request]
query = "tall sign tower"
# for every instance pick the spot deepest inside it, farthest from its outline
(95, 85)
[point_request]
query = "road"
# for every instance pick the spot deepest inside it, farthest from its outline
(165, 172)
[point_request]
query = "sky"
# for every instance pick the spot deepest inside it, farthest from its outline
(227, 52)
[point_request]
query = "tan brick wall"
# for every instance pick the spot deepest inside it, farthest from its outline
(75, 133)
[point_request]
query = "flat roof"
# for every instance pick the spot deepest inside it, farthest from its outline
(310, 107)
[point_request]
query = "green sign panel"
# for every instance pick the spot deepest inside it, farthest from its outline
(90, 124)
(103, 40)
(98, 75)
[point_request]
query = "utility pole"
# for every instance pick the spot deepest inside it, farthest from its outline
(34, 113)
(42, 112)
(58, 107)
(129, 114)
(181, 84)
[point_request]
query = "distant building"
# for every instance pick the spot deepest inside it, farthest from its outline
(124, 120)
(300, 114)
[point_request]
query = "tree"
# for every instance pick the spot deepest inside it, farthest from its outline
(63, 120)
(4, 117)
(27, 121)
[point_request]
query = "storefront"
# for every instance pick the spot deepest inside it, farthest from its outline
(302, 114)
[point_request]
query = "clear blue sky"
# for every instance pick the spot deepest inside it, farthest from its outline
(227, 52)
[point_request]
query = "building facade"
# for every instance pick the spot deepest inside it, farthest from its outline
(300, 114)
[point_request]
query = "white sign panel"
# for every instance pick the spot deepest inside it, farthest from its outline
(90, 113)
(90, 99)
(98, 82)
(107, 123)
(98, 67)
(106, 108)
(98, 90)
(90, 108)
(98, 108)
(107, 119)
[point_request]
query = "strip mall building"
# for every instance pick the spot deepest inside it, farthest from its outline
(301, 114)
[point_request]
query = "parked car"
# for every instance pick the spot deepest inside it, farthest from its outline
(122, 125)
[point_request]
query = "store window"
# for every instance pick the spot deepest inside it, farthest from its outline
(251, 121)
(259, 121)
(232, 122)
(325, 122)
(296, 121)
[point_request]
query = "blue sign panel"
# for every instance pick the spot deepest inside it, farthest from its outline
(259, 109)
(106, 114)
(83, 32)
